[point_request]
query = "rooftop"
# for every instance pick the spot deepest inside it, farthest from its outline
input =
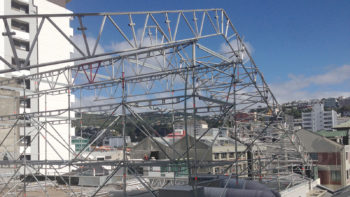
(345, 125)
(333, 133)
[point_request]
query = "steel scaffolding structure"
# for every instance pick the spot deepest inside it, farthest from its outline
(187, 62)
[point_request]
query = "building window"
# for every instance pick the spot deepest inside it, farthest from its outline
(25, 103)
(21, 44)
(25, 140)
(27, 83)
(231, 155)
(335, 176)
(217, 170)
(223, 171)
(223, 155)
(19, 6)
(28, 157)
(108, 157)
(216, 155)
(19, 25)
(239, 168)
(164, 169)
(314, 156)
(21, 62)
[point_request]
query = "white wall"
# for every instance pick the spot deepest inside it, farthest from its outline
(52, 46)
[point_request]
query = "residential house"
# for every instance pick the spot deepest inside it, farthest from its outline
(331, 158)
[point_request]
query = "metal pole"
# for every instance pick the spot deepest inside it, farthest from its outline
(260, 167)
(278, 173)
(81, 117)
(69, 137)
(175, 167)
(186, 131)
(194, 115)
(124, 125)
(45, 134)
(235, 119)
(292, 175)
(25, 141)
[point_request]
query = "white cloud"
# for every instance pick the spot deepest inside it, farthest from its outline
(226, 49)
(334, 76)
(79, 41)
(316, 86)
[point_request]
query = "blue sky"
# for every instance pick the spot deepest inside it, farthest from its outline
(301, 47)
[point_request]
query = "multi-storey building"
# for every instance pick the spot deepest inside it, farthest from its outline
(51, 46)
(9, 102)
(319, 119)
(330, 103)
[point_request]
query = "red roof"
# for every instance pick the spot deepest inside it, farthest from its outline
(177, 134)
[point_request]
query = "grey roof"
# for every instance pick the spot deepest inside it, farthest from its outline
(343, 192)
(314, 142)
(166, 140)
(219, 141)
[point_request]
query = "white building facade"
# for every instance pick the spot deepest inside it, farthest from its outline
(199, 128)
(319, 119)
(45, 142)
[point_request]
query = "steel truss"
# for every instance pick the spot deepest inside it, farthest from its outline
(189, 62)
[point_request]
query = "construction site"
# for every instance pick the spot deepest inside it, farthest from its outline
(181, 64)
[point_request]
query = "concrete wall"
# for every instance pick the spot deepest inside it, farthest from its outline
(9, 102)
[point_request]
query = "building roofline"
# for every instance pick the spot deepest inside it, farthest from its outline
(315, 133)
(344, 125)
(61, 3)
